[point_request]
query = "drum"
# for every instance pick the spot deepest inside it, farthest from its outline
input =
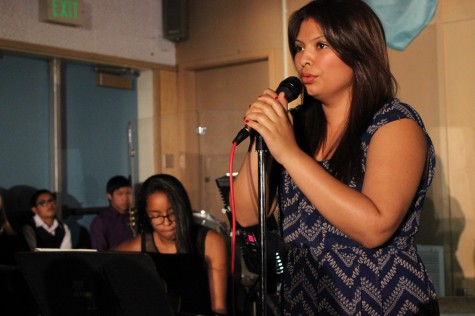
(205, 219)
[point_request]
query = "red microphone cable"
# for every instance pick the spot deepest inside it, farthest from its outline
(233, 220)
(233, 210)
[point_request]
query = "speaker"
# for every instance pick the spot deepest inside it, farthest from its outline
(175, 20)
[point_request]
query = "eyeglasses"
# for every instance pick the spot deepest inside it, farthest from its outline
(160, 219)
(46, 202)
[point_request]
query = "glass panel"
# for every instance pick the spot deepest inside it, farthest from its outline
(24, 129)
(96, 139)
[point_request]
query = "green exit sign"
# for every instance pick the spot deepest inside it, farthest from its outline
(69, 12)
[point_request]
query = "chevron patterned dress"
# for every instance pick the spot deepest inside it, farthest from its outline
(327, 273)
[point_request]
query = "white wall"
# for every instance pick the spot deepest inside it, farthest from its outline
(122, 28)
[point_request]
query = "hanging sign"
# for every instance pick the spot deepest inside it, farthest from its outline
(68, 12)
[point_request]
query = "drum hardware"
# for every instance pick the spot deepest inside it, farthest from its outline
(133, 222)
(133, 219)
(205, 219)
(247, 239)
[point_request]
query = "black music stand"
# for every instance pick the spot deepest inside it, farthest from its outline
(92, 283)
(187, 282)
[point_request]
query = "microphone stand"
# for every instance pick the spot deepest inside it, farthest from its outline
(261, 148)
(291, 87)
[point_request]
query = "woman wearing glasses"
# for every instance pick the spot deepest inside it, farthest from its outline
(166, 216)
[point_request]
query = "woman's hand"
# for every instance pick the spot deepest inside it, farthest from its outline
(269, 116)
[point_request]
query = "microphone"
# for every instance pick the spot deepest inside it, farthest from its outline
(291, 87)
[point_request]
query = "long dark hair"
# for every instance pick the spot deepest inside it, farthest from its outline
(179, 201)
(357, 36)
(5, 225)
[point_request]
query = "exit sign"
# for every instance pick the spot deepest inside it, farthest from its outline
(69, 12)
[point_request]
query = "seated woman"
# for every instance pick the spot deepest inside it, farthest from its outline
(10, 241)
(164, 209)
(15, 295)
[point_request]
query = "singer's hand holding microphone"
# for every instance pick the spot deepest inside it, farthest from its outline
(269, 117)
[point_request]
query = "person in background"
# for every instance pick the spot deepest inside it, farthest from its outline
(44, 230)
(353, 167)
(168, 228)
(112, 225)
(10, 241)
(15, 295)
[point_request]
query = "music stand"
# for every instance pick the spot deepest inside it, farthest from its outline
(187, 283)
(93, 283)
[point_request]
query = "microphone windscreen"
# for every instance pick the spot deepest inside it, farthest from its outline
(291, 87)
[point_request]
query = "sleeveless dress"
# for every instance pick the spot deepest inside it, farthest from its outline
(185, 275)
(327, 273)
